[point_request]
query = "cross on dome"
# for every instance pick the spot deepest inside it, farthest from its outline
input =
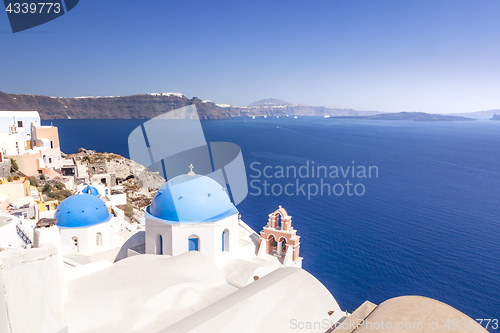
(191, 167)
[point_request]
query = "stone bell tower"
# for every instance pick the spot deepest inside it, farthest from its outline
(279, 239)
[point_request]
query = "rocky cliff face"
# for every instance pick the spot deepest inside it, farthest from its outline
(123, 168)
(139, 183)
(151, 105)
(126, 107)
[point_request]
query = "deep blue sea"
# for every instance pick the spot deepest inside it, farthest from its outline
(428, 225)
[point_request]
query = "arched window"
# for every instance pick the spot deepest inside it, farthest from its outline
(273, 245)
(98, 239)
(75, 243)
(193, 243)
(225, 241)
(159, 244)
(281, 246)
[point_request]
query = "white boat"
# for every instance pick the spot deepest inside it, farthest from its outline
(327, 116)
(253, 117)
(295, 117)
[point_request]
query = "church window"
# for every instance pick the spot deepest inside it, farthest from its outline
(75, 243)
(193, 243)
(225, 241)
(159, 244)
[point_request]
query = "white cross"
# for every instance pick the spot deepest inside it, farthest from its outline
(191, 167)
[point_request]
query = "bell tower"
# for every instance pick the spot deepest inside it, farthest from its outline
(278, 238)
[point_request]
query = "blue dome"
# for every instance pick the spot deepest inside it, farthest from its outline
(90, 190)
(80, 211)
(191, 198)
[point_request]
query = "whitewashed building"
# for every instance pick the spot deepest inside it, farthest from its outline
(34, 147)
(85, 224)
(191, 213)
(21, 121)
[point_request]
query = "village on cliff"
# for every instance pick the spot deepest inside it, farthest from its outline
(94, 242)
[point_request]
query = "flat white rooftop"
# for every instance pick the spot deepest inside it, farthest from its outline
(5, 114)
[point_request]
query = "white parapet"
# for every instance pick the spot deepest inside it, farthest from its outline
(31, 302)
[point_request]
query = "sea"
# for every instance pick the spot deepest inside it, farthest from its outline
(420, 215)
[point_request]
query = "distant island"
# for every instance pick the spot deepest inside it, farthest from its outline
(495, 117)
(147, 106)
(484, 115)
(411, 116)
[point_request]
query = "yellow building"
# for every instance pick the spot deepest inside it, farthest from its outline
(13, 191)
(43, 206)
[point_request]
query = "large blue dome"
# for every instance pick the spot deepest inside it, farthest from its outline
(191, 198)
(80, 211)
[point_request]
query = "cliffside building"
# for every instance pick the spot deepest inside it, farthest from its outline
(20, 122)
(34, 147)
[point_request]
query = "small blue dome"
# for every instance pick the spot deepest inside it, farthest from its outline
(80, 211)
(191, 198)
(91, 190)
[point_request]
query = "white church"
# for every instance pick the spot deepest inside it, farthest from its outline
(192, 213)
(197, 267)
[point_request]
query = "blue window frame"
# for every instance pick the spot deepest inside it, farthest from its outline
(193, 243)
(159, 244)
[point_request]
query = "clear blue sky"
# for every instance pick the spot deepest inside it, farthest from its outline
(388, 55)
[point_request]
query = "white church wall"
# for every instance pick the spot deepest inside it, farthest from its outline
(68, 237)
(206, 238)
(87, 239)
(155, 229)
(175, 236)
